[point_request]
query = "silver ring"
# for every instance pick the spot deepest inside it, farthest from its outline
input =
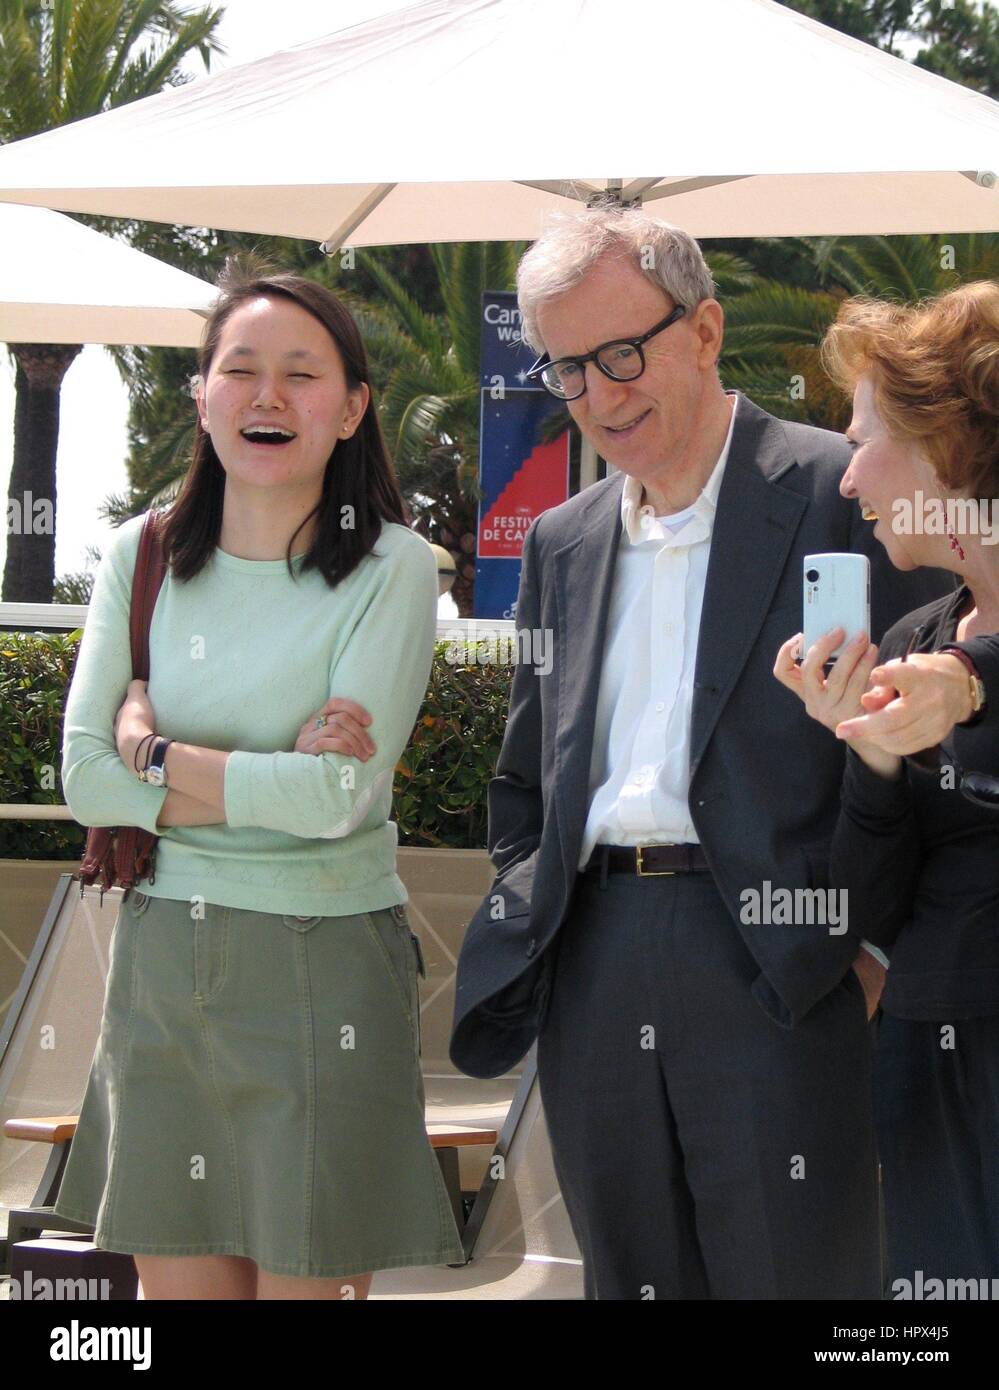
(320, 721)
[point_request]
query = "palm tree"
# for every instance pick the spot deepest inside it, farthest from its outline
(773, 331)
(60, 62)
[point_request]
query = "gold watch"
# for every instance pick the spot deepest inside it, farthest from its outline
(976, 684)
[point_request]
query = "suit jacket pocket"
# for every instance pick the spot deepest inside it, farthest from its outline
(527, 993)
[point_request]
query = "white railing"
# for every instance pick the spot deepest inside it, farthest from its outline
(69, 616)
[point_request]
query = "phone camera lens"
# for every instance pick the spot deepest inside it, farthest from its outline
(812, 576)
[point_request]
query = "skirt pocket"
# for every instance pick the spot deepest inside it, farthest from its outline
(400, 951)
(210, 938)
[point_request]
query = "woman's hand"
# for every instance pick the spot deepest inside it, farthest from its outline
(839, 697)
(135, 720)
(836, 697)
(343, 731)
(915, 705)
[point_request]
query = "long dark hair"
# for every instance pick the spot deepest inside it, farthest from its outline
(364, 476)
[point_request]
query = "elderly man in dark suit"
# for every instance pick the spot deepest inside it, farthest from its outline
(661, 813)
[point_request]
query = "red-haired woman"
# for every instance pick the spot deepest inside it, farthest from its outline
(917, 843)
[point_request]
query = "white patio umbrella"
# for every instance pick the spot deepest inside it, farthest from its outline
(61, 282)
(468, 119)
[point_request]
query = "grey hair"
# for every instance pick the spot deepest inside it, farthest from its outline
(572, 242)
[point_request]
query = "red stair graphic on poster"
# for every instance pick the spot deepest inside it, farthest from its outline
(539, 483)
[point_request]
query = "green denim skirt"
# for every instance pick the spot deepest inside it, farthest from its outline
(256, 1090)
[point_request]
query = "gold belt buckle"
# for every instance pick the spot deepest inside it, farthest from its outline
(651, 873)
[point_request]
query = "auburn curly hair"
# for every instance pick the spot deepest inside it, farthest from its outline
(934, 369)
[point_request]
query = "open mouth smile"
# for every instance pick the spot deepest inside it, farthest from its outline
(272, 436)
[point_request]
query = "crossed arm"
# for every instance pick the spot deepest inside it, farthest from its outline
(196, 776)
(304, 796)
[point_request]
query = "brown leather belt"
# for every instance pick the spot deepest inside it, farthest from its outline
(648, 861)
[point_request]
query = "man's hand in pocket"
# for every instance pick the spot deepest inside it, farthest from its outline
(871, 974)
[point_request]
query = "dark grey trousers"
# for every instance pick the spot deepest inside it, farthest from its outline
(702, 1150)
(937, 1115)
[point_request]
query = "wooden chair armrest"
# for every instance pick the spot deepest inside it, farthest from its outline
(458, 1136)
(57, 1129)
(46, 1129)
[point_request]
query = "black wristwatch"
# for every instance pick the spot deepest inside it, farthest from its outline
(155, 771)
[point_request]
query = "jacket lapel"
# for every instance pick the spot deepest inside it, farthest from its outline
(584, 578)
(754, 527)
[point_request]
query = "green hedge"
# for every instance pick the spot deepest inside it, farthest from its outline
(440, 783)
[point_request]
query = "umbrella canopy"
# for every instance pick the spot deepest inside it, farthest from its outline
(469, 119)
(61, 282)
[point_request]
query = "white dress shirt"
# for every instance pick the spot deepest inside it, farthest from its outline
(639, 767)
(640, 763)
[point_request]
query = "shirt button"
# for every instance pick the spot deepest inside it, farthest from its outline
(660, 707)
(667, 627)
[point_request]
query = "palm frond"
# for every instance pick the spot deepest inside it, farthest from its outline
(775, 314)
(422, 327)
(92, 28)
(732, 274)
(462, 290)
(24, 103)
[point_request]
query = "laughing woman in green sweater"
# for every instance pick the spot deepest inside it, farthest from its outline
(253, 1125)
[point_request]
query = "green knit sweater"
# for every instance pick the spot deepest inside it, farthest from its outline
(241, 655)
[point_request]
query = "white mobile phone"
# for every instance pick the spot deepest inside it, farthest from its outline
(837, 593)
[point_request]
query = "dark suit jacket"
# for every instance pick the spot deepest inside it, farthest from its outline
(764, 776)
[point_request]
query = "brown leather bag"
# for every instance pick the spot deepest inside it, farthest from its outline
(122, 855)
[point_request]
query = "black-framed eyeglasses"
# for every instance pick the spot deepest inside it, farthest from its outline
(622, 359)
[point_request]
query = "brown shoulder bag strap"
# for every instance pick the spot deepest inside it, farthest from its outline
(150, 567)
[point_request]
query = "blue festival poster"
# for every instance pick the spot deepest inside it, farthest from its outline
(520, 476)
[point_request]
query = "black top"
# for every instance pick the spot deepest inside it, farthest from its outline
(919, 861)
